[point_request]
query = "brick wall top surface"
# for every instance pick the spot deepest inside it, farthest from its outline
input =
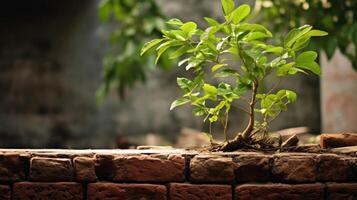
(173, 165)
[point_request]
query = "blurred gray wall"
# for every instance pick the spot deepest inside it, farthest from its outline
(50, 65)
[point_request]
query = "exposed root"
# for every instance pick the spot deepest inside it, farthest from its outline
(239, 143)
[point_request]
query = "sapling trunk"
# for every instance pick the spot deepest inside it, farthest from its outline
(245, 137)
(248, 130)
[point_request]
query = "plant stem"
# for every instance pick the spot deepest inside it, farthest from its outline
(242, 109)
(274, 87)
(225, 128)
(248, 130)
(210, 133)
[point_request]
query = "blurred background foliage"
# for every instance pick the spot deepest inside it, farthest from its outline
(134, 23)
(338, 18)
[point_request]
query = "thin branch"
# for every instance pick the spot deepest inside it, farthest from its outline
(242, 109)
(246, 133)
(225, 127)
(275, 86)
(245, 100)
(210, 132)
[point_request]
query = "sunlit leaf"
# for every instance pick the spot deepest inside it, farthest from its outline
(228, 6)
(150, 45)
(240, 13)
(179, 102)
(217, 67)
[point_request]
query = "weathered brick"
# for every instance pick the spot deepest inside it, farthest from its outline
(104, 167)
(297, 168)
(338, 140)
(252, 168)
(341, 191)
(5, 192)
(332, 168)
(211, 169)
(51, 169)
(84, 168)
(154, 168)
(182, 191)
(279, 191)
(112, 191)
(353, 169)
(49, 191)
(11, 167)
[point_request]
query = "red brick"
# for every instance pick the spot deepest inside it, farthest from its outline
(49, 191)
(211, 169)
(279, 191)
(341, 191)
(5, 192)
(112, 191)
(84, 168)
(51, 169)
(105, 167)
(253, 168)
(338, 140)
(298, 168)
(154, 168)
(182, 191)
(11, 168)
(332, 168)
(353, 169)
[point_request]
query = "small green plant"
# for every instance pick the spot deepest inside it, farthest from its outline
(239, 56)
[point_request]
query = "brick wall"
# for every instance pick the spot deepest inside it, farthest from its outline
(174, 174)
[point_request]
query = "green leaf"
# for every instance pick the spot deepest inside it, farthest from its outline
(301, 43)
(240, 13)
(147, 46)
(227, 73)
(217, 67)
(228, 6)
(295, 34)
(285, 69)
(307, 56)
(254, 27)
(104, 10)
(189, 27)
(268, 101)
(198, 111)
(175, 22)
(256, 36)
(185, 84)
(170, 43)
(210, 89)
(291, 95)
(316, 33)
(306, 60)
(272, 49)
(183, 61)
(211, 21)
(291, 35)
(175, 34)
(179, 102)
(312, 66)
(224, 89)
(330, 46)
(179, 52)
(217, 108)
(214, 118)
(160, 52)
